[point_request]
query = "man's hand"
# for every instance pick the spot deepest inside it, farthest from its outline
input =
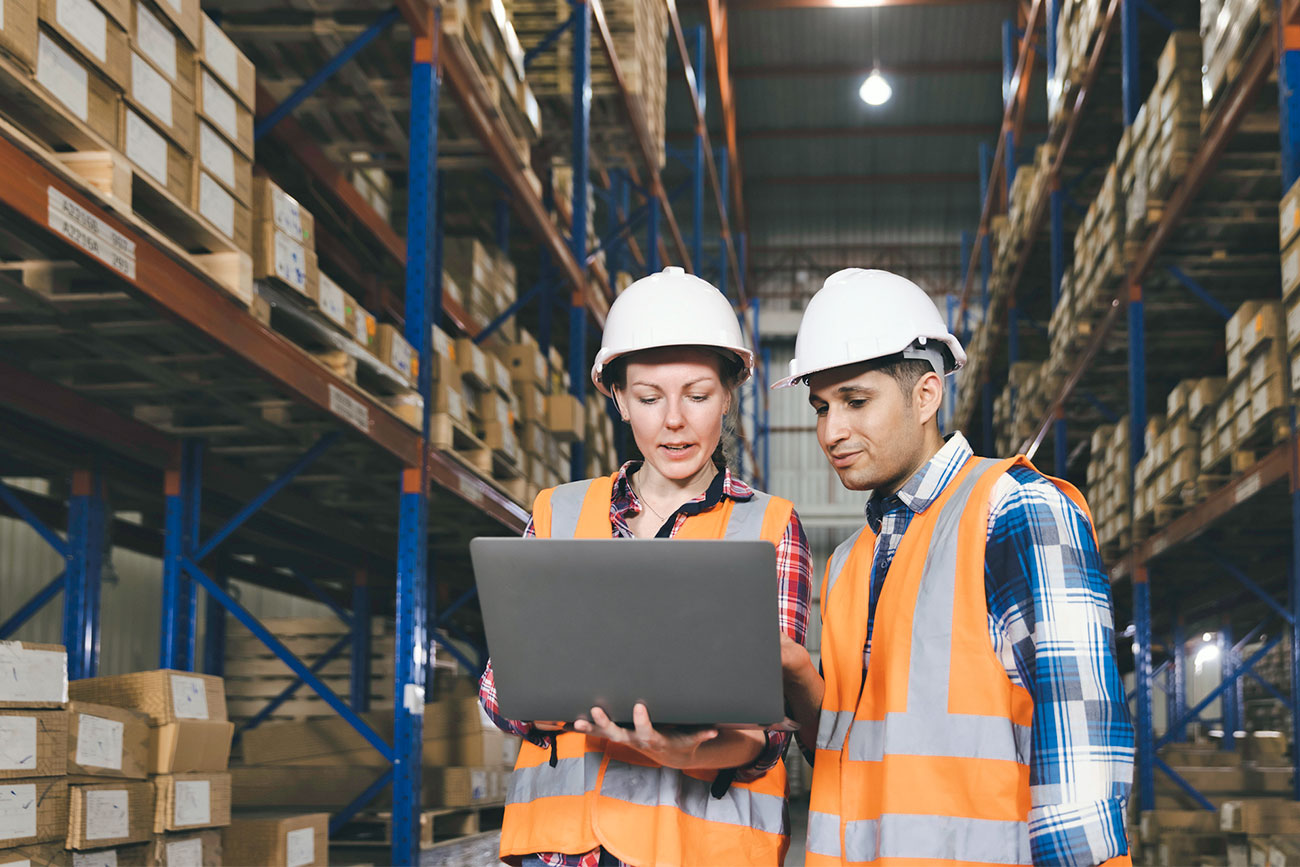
(671, 749)
(548, 726)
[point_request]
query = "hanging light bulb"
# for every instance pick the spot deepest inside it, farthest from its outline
(875, 89)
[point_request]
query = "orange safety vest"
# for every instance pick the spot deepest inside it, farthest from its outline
(608, 795)
(927, 760)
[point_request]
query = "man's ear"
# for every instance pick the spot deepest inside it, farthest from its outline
(927, 396)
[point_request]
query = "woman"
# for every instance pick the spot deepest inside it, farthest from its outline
(671, 358)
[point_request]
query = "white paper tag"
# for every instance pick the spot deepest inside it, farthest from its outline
(331, 301)
(193, 803)
(189, 697)
(151, 90)
(146, 147)
(17, 811)
(216, 155)
(300, 847)
(348, 408)
(61, 74)
(102, 858)
(219, 107)
(287, 214)
(32, 675)
(360, 331)
(185, 853)
(477, 785)
(108, 814)
(99, 742)
(83, 21)
(400, 356)
(290, 262)
(216, 205)
(1248, 488)
(17, 743)
(220, 53)
(156, 40)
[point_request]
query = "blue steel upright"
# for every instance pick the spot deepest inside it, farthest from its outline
(182, 487)
(1131, 78)
(1230, 700)
(695, 45)
(360, 669)
(578, 228)
(85, 557)
(413, 648)
(1289, 104)
(1142, 668)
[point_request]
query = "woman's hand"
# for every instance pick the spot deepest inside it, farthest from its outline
(671, 749)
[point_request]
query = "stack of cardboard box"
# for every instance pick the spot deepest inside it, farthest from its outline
(284, 238)
(224, 91)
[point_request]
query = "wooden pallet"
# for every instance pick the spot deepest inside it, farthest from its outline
(454, 437)
(436, 826)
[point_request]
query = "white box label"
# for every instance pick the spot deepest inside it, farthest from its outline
(290, 262)
(189, 697)
(331, 301)
(216, 155)
(151, 90)
(84, 22)
(219, 107)
(32, 675)
(108, 814)
(359, 330)
(220, 53)
(146, 147)
(17, 811)
(61, 74)
(1248, 488)
(185, 853)
(102, 858)
(154, 38)
(287, 214)
(300, 847)
(348, 408)
(17, 743)
(99, 742)
(216, 205)
(193, 802)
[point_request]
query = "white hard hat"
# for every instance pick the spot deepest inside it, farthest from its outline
(671, 308)
(859, 315)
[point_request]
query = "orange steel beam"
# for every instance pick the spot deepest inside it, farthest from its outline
(718, 27)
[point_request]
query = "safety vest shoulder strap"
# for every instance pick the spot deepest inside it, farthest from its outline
(563, 511)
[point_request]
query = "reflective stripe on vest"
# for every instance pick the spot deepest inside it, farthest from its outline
(566, 508)
(656, 786)
(569, 777)
(939, 838)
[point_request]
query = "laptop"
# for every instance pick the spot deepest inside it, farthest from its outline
(689, 627)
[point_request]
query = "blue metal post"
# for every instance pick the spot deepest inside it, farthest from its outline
(1289, 103)
(1137, 377)
(695, 45)
(360, 670)
(1230, 698)
(1053, 21)
(1178, 695)
(214, 632)
(188, 609)
(413, 573)
(578, 235)
(1142, 665)
(1131, 74)
(86, 515)
(1010, 52)
(182, 489)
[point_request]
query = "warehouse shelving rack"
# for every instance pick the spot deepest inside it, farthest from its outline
(1249, 530)
(140, 309)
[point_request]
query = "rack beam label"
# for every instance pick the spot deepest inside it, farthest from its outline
(348, 408)
(91, 234)
(1248, 488)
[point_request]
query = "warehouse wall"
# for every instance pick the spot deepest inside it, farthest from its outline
(131, 601)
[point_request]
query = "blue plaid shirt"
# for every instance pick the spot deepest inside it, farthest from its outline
(1051, 624)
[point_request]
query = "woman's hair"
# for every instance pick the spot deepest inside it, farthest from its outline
(730, 370)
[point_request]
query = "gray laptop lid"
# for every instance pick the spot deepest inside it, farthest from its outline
(690, 627)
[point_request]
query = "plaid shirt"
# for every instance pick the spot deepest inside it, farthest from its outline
(1051, 624)
(794, 570)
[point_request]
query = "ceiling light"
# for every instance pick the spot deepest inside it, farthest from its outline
(875, 89)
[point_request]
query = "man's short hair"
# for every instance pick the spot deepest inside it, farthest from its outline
(907, 372)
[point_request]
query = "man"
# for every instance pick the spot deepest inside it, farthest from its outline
(968, 707)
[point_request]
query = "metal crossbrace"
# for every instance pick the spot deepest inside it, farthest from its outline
(1184, 785)
(33, 605)
(342, 817)
(514, 308)
(1245, 580)
(635, 219)
(311, 85)
(1269, 687)
(29, 517)
(1199, 291)
(288, 692)
(1156, 15)
(465, 597)
(547, 41)
(1226, 684)
(455, 651)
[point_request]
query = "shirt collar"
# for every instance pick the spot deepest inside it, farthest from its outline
(926, 484)
(731, 487)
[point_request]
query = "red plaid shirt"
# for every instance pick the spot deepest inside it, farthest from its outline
(794, 569)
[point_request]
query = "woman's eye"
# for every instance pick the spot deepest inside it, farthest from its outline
(698, 398)
(647, 401)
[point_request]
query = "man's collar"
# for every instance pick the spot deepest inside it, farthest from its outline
(928, 482)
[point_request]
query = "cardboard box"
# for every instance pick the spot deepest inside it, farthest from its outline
(1260, 816)
(188, 746)
(37, 855)
(165, 695)
(106, 741)
(194, 848)
(278, 256)
(1267, 326)
(1243, 314)
(33, 810)
(361, 325)
(1269, 397)
(160, 42)
(392, 349)
(33, 675)
(33, 743)
(156, 154)
(157, 99)
(227, 214)
(1204, 397)
(227, 166)
(187, 801)
(81, 89)
(1290, 270)
(218, 106)
(472, 362)
(228, 63)
(18, 31)
(96, 38)
(109, 814)
(299, 841)
(273, 205)
(469, 263)
(565, 417)
(332, 301)
(130, 855)
(184, 14)
(526, 363)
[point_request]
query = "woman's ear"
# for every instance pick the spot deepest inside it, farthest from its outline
(618, 401)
